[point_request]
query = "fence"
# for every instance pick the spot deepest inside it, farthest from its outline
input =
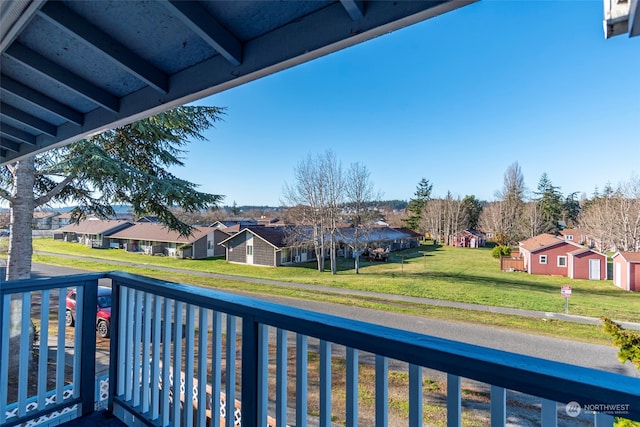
(511, 263)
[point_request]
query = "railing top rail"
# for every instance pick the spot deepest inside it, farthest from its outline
(552, 380)
(38, 284)
(539, 377)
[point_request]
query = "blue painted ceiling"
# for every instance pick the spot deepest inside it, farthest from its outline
(70, 69)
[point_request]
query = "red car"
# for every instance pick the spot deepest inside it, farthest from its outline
(103, 318)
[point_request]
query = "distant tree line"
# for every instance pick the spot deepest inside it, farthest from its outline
(242, 210)
(392, 204)
(611, 218)
(516, 216)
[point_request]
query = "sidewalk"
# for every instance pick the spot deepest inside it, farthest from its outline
(390, 297)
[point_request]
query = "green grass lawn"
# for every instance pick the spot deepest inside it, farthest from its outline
(439, 272)
(446, 273)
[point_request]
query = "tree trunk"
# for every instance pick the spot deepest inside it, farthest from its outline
(332, 251)
(318, 242)
(356, 250)
(332, 255)
(22, 206)
(357, 261)
(20, 249)
(323, 247)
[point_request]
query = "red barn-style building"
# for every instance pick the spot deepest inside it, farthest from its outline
(626, 270)
(467, 239)
(551, 255)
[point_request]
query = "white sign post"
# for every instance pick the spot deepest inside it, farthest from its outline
(565, 291)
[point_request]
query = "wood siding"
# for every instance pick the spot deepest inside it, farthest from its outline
(200, 248)
(634, 276)
(237, 249)
(626, 274)
(512, 263)
(621, 272)
(577, 261)
(219, 236)
(263, 253)
(579, 265)
(551, 267)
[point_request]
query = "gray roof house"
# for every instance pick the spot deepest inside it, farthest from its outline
(60, 220)
(393, 239)
(242, 222)
(268, 246)
(264, 246)
(154, 238)
(92, 232)
(42, 220)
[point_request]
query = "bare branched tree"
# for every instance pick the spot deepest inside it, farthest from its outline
(443, 217)
(512, 197)
(491, 218)
(331, 173)
(307, 193)
(533, 222)
(319, 192)
(613, 218)
(452, 216)
(433, 219)
(359, 193)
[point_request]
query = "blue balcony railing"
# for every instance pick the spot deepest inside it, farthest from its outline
(185, 355)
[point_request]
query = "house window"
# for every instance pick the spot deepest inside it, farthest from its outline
(209, 244)
(569, 237)
(543, 259)
(562, 261)
(249, 249)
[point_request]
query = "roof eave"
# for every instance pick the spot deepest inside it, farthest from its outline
(621, 17)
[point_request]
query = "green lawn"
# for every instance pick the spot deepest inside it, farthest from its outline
(446, 273)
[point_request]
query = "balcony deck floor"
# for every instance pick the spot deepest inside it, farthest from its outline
(96, 419)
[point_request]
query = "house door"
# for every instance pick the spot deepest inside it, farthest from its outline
(211, 251)
(250, 250)
(617, 276)
(594, 269)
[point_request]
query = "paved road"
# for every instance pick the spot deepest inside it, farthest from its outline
(567, 351)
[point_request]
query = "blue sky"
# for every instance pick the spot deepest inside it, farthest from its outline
(455, 99)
